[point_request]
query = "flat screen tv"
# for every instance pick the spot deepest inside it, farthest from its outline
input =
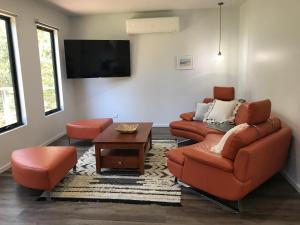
(97, 58)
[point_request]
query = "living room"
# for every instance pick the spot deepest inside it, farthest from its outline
(259, 44)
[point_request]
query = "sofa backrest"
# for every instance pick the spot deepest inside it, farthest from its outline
(248, 136)
(242, 114)
(224, 93)
(221, 93)
(259, 112)
(253, 113)
(257, 115)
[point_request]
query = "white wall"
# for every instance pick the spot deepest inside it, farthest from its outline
(156, 91)
(39, 129)
(269, 66)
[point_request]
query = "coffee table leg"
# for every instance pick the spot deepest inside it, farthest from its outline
(97, 156)
(141, 159)
(150, 137)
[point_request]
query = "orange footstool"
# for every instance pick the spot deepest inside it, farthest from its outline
(87, 129)
(42, 167)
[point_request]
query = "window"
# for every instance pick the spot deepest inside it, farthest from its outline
(10, 110)
(48, 69)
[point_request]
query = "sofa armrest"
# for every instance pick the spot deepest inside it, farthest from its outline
(207, 100)
(263, 158)
(187, 116)
(210, 159)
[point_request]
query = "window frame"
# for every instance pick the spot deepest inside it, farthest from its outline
(55, 73)
(14, 75)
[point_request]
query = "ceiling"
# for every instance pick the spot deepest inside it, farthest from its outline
(86, 7)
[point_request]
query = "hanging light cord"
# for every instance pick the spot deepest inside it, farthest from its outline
(220, 5)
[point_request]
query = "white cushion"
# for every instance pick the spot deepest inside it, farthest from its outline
(219, 147)
(220, 111)
(201, 109)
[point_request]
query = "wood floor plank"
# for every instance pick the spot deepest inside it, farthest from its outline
(274, 203)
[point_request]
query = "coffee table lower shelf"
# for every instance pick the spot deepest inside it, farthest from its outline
(119, 158)
(116, 156)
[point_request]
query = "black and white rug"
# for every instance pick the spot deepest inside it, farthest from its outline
(155, 186)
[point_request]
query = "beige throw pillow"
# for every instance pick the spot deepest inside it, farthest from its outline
(220, 111)
(219, 147)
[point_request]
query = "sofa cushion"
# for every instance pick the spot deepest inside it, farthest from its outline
(208, 100)
(242, 114)
(187, 116)
(194, 126)
(208, 143)
(201, 109)
(248, 136)
(177, 155)
(201, 152)
(259, 112)
(186, 134)
(219, 147)
(224, 93)
(220, 111)
(237, 141)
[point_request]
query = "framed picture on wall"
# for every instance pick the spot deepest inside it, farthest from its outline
(184, 62)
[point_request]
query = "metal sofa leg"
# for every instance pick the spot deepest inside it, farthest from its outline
(74, 169)
(239, 206)
(176, 180)
(48, 195)
(235, 206)
(69, 139)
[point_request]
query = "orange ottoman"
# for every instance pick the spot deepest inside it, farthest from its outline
(87, 129)
(42, 167)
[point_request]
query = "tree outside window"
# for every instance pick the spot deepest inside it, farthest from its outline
(48, 69)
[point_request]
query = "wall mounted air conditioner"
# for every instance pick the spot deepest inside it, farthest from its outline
(152, 25)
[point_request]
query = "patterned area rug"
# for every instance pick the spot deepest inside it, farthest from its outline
(155, 186)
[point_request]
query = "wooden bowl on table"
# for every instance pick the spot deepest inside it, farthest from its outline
(127, 128)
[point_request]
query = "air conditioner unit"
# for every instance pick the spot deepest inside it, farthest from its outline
(152, 25)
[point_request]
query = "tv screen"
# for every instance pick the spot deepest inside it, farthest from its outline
(97, 58)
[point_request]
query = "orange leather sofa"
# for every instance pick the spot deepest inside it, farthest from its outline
(87, 129)
(42, 167)
(248, 158)
(194, 130)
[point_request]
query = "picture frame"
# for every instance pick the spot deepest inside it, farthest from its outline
(184, 62)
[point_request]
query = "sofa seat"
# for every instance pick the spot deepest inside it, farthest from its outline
(248, 158)
(194, 126)
(176, 157)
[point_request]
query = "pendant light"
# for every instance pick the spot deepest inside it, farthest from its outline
(220, 6)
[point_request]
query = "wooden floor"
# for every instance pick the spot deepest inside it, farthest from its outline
(275, 202)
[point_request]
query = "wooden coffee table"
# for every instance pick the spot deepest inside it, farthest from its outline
(122, 150)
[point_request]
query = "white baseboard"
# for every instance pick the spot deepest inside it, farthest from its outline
(291, 180)
(8, 165)
(161, 125)
(53, 139)
(5, 167)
